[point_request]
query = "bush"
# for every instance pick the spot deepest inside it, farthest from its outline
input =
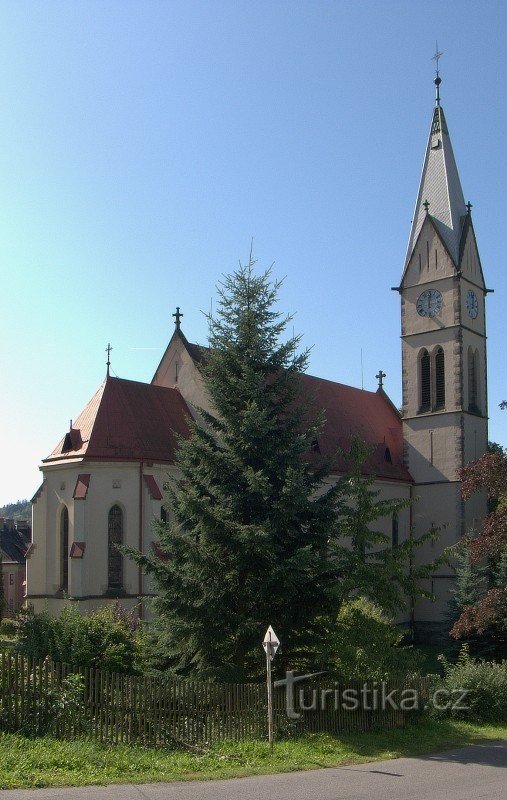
(108, 639)
(8, 627)
(366, 644)
(485, 684)
(47, 710)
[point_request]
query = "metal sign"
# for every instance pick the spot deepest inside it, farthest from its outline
(271, 643)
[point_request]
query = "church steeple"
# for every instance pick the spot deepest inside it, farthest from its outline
(440, 193)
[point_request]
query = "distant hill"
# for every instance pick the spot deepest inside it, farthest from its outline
(20, 510)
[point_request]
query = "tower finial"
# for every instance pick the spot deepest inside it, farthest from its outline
(438, 80)
(108, 363)
(177, 318)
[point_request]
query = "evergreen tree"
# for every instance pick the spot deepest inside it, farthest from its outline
(365, 559)
(248, 545)
(258, 536)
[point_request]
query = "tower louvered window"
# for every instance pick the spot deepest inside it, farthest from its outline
(425, 381)
(439, 378)
(473, 364)
(114, 557)
(64, 550)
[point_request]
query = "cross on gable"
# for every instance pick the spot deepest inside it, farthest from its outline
(380, 377)
(177, 318)
(108, 351)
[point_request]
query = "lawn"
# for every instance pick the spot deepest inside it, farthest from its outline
(26, 763)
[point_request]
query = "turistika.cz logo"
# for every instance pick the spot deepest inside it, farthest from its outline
(369, 696)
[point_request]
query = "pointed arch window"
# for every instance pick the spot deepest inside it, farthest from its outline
(439, 378)
(425, 373)
(473, 380)
(114, 557)
(64, 550)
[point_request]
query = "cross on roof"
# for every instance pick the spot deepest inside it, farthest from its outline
(438, 80)
(108, 351)
(469, 206)
(438, 55)
(426, 205)
(380, 377)
(177, 318)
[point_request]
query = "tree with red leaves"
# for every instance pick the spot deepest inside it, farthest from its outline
(488, 614)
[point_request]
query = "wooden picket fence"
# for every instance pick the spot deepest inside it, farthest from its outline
(43, 697)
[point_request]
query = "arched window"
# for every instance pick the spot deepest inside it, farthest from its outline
(114, 557)
(394, 530)
(425, 373)
(64, 550)
(439, 378)
(473, 379)
(163, 514)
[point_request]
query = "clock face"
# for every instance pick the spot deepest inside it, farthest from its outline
(429, 303)
(472, 304)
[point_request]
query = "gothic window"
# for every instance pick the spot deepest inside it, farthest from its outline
(439, 378)
(394, 530)
(64, 550)
(473, 382)
(163, 514)
(114, 557)
(425, 373)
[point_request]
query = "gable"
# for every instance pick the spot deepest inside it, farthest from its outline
(430, 257)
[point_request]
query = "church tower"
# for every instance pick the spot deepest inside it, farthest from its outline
(443, 332)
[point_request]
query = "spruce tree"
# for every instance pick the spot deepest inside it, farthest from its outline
(248, 544)
(365, 560)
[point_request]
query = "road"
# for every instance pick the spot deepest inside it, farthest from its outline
(471, 773)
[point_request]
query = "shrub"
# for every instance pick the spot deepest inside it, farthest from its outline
(485, 684)
(8, 627)
(47, 710)
(108, 638)
(365, 643)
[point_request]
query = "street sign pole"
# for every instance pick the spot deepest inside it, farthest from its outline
(270, 696)
(271, 644)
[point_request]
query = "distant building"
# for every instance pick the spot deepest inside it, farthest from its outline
(15, 540)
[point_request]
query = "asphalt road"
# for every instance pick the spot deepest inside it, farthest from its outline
(471, 773)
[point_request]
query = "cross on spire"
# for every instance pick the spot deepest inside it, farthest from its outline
(438, 80)
(380, 377)
(177, 318)
(108, 363)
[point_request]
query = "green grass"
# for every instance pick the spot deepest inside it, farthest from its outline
(27, 763)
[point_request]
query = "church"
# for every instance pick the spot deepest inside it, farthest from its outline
(105, 481)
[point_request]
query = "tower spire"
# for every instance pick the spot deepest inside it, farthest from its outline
(440, 194)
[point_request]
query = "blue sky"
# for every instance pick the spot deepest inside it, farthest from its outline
(143, 145)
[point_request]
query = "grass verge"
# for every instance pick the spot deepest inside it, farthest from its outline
(27, 763)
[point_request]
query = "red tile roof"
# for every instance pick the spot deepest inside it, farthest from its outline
(348, 412)
(370, 415)
(128, 421)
